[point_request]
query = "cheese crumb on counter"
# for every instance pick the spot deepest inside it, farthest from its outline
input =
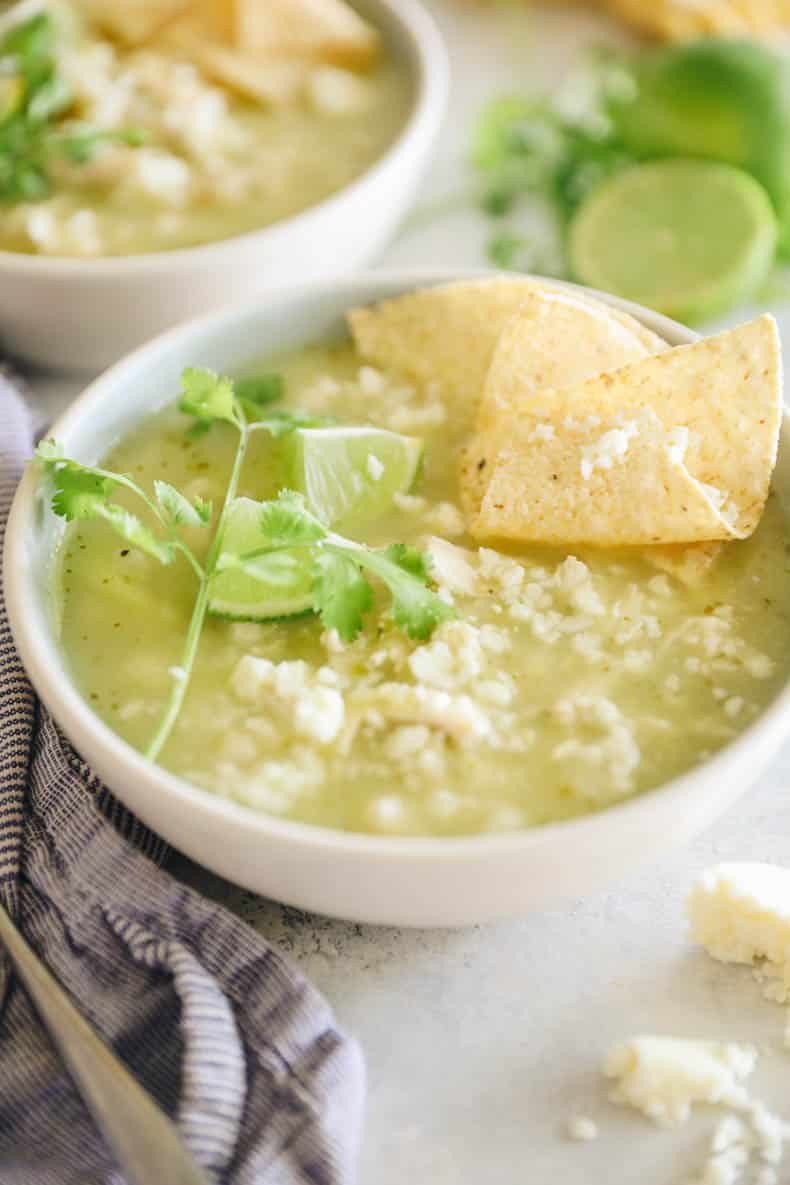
(581, 1128)
(664, 1077)
(740, 913)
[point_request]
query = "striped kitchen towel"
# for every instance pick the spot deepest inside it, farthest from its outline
(225, 1034)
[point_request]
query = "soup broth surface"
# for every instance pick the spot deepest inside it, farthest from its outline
(566, 683)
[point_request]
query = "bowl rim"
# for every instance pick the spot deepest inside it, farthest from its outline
(431, 79)
(88, 732)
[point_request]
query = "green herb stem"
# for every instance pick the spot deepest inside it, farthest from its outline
(185, 667)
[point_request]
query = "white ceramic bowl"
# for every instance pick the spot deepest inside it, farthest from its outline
(82, 315)
(417, 882)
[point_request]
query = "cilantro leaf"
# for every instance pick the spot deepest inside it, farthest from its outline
(405, 572)
(287, 522)
(178, 510)
(35, 102)
(505, 247)
(417, 563)
(207, 396)
(281, 421)
(79, 490)
(259, 389)
(342, 595)
(133, 531)
(81, 143)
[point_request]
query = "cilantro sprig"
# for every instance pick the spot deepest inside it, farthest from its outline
(36, 102)
(551, 153)
(341, 569)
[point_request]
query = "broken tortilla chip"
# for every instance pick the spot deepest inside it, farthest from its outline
(448, 334)
(680, 20)
(553, 340)
(311, 31)
(718, 403)
(203, 35)
(208, 22)
(134, 21)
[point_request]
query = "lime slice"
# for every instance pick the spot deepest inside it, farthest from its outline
(689, 238)
(236, 595)
(352, 474)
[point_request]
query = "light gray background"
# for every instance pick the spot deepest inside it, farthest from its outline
(481, 1043)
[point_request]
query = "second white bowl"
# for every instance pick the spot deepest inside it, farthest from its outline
(82, 315)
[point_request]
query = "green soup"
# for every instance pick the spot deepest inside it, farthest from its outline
(213, 164)
(564, 684)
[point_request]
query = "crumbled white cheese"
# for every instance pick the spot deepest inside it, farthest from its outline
(333, 642)
(447, 519)
(407, 741)
(760, 666)
(315, 708)
(500, 576)
(161, 175)
(580, 1127)
(387, 812)
(609, 449)
(574, 580)
(740, 913)
(455, 714)
(599, 769)
(273, 785)
(453, 567)
(664, 1077)
(374, 467)
(333, 91)
(453, 657)
(444, 803)
(410, 503)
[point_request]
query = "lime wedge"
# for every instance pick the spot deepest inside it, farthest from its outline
(352, 474)
(689, 238)
(236, 595)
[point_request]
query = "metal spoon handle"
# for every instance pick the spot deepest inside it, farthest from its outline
(143, 1139)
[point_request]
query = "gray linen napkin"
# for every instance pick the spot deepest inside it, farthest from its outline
(223, 1032)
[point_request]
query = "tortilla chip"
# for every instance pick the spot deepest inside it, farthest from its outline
(690, 565)
(448, 334)
(324, 31)
(679, 20)
(723, 394)
(203, 36)
(205, 22)
(273, 84)
(554, 340)
(540, 491)
(134, 21)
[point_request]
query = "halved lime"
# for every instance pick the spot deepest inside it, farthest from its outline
(352, 474)
(235, 595)
(689, 238)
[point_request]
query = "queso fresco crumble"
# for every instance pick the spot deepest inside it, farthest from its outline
(567, 680)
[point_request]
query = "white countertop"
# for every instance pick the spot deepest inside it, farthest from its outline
(481, 1043)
